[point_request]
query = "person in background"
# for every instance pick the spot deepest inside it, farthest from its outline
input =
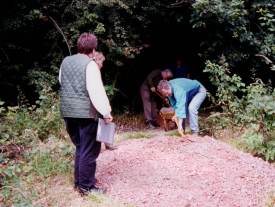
(148, 91)
(99, 58)
(82, 100)
(180, 70)
(186, 97)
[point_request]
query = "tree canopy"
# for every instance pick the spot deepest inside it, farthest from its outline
(136, 36)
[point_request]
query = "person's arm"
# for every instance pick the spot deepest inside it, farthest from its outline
(180, 106)
(97, 91)
(59, 75)
(172, 102)
(151, 77)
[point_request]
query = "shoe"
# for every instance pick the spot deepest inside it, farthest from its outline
(93, 189)
(149, 125)
(110, 147)
(76, 187)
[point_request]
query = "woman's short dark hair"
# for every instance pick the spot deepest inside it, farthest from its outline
(86, 43)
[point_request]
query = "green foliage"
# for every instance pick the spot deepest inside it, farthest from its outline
(24, 127)
(260, 107)
(239, 29)
(256, 144)
(271, 199)
(111, 91)
(251, 107)
(23, 124)
(228, 86)
(37, 165)
(138, 135)
(35, 41)
(44, 165)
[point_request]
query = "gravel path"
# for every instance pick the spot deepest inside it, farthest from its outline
(198, 171)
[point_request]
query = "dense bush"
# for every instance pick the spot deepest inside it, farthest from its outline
(22, 129)
(251, 108)
(242, 31)
(38, 164)
(24, 124)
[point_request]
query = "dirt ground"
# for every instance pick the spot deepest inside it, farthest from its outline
(184, 172)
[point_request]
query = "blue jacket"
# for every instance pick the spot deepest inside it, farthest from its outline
(183, 90)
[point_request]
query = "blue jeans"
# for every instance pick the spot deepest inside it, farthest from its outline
(193, 108)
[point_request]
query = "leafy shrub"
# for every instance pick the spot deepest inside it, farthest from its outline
(36, 165)
(250, 107)
(260, 107)
(256, 144)
(228, 87)
(25, 127)
(43, 120)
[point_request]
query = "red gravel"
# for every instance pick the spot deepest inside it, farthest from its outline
(204, 172)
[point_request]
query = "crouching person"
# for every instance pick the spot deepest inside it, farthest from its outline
(147, 93)
(83, 100)
(186, 97)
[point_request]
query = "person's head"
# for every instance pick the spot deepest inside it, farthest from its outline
(167, 74)
(99, 59)
(178, 62)
(86, 43)
(164, 88)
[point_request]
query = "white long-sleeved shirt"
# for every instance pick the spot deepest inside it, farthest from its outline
(96, 90)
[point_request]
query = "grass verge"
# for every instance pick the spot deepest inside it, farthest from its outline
(271, 199)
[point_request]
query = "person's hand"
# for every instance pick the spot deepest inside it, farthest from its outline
(108, 119)
(175, 119)
(153, 89)
(166, 101)
(181, 132)
(179, 122)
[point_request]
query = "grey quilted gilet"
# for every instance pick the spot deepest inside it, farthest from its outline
(74, 97)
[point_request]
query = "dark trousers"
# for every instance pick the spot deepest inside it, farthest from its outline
(83, 134)
(149, 103)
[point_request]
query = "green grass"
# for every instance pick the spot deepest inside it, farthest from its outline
(101, 200)
(36, 177)
(175, 133)
(172, 133)
(26, 178)
(46, 165)
(271, 199)
(138, 135)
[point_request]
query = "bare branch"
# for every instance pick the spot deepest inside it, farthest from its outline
(61, 32)
(266, 59)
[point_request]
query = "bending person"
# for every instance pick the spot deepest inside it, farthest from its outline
(147, 90)
(186, 97)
